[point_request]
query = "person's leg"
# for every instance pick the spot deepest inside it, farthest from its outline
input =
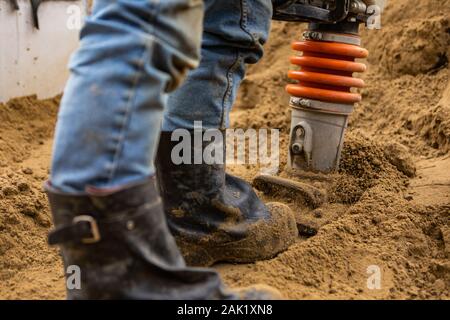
(106, 208)
(131, 54)
(213, 215)
(233, 36)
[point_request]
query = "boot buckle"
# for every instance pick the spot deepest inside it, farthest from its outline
(94, 228)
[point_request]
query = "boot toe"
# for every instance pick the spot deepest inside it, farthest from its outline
(265, 238)
(269, 237)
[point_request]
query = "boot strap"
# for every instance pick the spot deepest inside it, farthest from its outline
(86, 230)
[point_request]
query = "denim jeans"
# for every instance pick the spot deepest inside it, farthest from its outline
(132, 54)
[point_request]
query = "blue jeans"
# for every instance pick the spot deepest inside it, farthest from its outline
(133, 53)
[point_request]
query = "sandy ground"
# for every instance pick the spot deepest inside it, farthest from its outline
(388, 206)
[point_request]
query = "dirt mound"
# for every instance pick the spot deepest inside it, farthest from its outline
(407, 96)
(414, 47)
(26, 124)
(365, 164)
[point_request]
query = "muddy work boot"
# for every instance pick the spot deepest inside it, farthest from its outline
(123, 249)
(216, 217)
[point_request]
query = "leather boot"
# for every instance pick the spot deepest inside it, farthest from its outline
(124, 250)
(216, 217)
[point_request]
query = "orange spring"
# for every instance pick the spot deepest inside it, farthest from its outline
(327, 71)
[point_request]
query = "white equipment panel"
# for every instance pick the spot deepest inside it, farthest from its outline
(35, 61)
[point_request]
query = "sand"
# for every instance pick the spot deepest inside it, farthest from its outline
(387, 209)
